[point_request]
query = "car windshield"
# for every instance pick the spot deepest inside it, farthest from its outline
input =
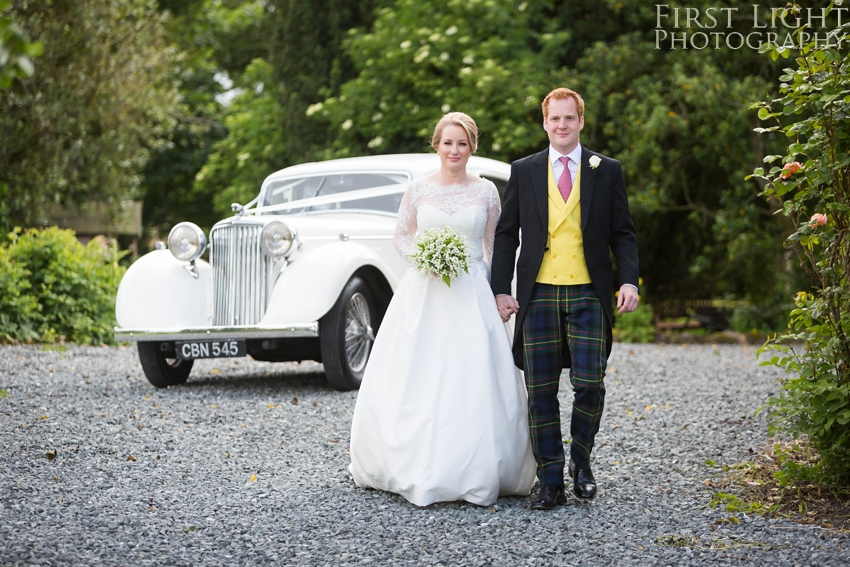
(288, 190)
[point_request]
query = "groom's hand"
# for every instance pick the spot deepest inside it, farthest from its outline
(507, 306)
(627, 299)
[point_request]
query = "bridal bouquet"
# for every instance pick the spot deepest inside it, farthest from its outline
(443, 252)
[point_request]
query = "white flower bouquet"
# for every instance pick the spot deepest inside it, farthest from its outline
(441, 252)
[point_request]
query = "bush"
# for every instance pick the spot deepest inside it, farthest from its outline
(814, 177)
(53, 287)
(766, 317)
(635, 327)
(18, 309)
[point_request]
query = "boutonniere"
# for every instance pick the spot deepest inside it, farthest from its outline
(594, 162)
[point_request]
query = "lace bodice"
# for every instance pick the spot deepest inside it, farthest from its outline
(472, 209)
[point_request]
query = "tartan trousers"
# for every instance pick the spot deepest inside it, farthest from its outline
(560, 316)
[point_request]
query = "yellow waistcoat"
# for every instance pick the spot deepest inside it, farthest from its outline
(564, 263)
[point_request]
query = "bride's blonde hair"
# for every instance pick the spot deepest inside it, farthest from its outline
(458, 119)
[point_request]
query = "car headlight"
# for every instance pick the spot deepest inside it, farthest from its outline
(187, 241)
(277, 239)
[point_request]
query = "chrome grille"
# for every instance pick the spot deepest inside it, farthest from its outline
(240, 271)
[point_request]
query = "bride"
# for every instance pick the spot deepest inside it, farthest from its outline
(442, 413)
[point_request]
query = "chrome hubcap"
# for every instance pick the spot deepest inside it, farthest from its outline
(358, 332)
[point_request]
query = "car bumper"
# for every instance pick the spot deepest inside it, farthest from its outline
(233, 332)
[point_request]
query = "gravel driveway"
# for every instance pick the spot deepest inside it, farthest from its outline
(247, 464)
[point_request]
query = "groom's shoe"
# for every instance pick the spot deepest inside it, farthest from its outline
(549, 497)
(584, 485)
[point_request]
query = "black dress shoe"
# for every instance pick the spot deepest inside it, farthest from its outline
(549, 497)
(584, 485)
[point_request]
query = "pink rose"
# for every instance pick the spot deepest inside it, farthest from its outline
(790, 169)
(818, 219)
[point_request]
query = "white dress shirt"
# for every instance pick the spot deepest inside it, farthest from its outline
(558, 167)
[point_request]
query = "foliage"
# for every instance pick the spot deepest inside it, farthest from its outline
(766, 318)
(425, 58)
(732, 503)
(814, 177)
(209, 35)
(81, 129)
(16, 50)
(308, 64)
(239, 163)
(635, 327)
(782, 480)
(267, 128)
(19, 309)
(53, 287)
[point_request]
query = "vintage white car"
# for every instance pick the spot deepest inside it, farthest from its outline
(303, 272)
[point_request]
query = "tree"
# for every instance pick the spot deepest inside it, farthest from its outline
(267, 125)
(82, 128)
(424, 58)
(254, 145)
(16, 50)
(214, 38)
(308, 63)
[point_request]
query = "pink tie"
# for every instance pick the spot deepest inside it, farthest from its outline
(565, 183)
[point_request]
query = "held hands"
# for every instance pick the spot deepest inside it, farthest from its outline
(507, 306)
(627, 299)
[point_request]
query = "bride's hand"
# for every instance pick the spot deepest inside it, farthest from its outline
(507, 306)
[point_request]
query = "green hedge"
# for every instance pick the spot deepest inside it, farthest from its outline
(635, 327)
(54, 288)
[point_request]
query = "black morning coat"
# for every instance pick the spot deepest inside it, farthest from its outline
(606, 223)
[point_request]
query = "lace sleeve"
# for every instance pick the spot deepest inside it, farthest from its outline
(405, 228)
(494, 210)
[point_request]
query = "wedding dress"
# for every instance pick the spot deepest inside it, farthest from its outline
(442, 411)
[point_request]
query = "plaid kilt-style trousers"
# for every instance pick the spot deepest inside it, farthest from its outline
(558, 317)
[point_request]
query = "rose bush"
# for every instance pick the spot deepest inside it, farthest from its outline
(815, 349)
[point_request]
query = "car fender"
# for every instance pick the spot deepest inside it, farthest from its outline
(308, 287)
(158, 291)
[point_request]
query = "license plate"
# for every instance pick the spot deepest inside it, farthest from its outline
(191, 350)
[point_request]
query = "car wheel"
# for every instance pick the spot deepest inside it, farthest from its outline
(161, 370)
(346, 336)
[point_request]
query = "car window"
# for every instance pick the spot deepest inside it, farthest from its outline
(386, 203)
(288, 190)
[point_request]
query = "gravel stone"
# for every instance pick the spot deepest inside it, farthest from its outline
(246, 464)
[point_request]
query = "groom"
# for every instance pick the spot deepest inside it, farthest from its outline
(571, 206)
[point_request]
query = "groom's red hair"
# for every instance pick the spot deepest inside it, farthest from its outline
(563, 94)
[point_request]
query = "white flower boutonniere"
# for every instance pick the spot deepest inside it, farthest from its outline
(594, 162)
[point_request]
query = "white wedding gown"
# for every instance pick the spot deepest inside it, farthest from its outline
(442, 411)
